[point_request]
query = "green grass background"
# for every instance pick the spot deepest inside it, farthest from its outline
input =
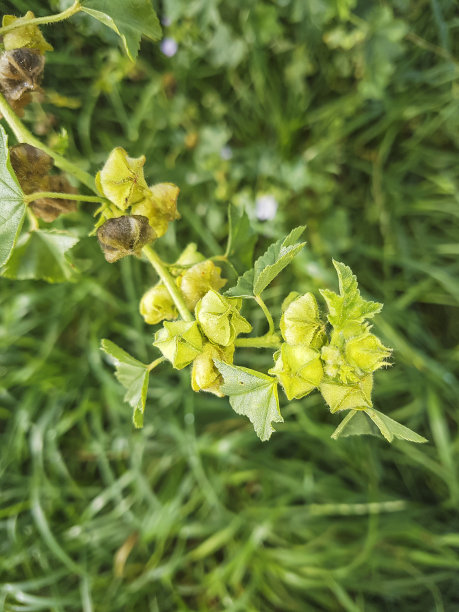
(348, 113)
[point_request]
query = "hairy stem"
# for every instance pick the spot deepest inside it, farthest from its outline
(267, 341)
(59, 195)
(169, 282)
(268, 316)
(156, 362)
(75, 8)
(24, 135)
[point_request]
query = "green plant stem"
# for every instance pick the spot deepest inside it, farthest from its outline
(58, 195)
(168, 281)
(267, 341)
(32, 220)
(268, 316)
(156, 362)
(24, 135)
(75, 8)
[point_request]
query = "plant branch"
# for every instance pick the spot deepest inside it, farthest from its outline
(266, 341)
(24, 135)
(156, 362)
(168, 281)
(59, 195)
(267, 314)
(75, 8)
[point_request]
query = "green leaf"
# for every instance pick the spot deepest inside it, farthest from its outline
(133, 375)
(12, 205)
(268, 266)
(355, 423)
(130, 19)
(241, 239)
(252, 394)
(390, 429)
(41, 255)
(348, 306)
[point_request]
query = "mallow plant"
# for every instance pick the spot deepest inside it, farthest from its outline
(321, 343)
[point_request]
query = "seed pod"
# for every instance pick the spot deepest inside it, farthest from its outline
(301, 324)
(299, 370)
(20, 71)
(121, 180)
(204, 375)
(49, 209)
(31, 166)
(180, 342)
(156, 305)
(198, 280)
(124, 235)
(355, 396)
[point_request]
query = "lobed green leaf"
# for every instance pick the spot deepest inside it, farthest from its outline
(391, 429)
(253, 395)
(241, 239)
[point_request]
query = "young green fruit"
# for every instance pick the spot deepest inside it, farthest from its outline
(156, 305)
(180, 342)
(301, 323)
(159, 205)
(28, 35)
(198, 280)
(220, 319)
(355, 396)
(299, 370)
(204, 375)
(121, 180)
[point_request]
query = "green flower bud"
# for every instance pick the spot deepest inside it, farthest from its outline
(156, 305)
(367, 353)
(121, 180)
(301, 324)
(159, 206)
(355, 396)
(125, 235)
(219, 318)
(299, 370)
(27, 36)
(198, 280)
(180, 342)
(204, 375)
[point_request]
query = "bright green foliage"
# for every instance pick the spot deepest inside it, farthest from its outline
(241, 239)
(268, 266)
(133, 375)
(348, 307)
(390, 429)
(219, 318)
(130, 19)
(355, 423)
(179, 341)
(12, 205)
(252, 394)
(42, 255)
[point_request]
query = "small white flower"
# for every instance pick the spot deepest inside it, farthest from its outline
(266, 207)
(168, 46)
(226, 152)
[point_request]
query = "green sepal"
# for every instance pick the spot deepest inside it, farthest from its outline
(367, 353)
(195, 282)
(179, 341)
(299, 370)
(253, 395)
(348, 307)
(220, 319)
(355, 396)
(27, 36)
(301, 323)
(121, 180)
(156, 305)
(204, 375)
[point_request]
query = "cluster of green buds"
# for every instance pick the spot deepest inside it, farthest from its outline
(136, 213)
(22, 61)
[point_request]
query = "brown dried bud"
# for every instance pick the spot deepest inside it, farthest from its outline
(49, 209)
(31, 166)
(124, 235)
(20, 71)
